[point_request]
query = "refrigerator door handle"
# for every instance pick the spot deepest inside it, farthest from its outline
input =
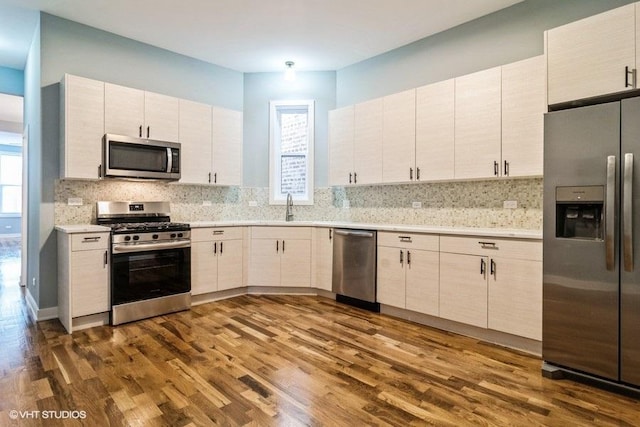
(610, 212)
(627, 213)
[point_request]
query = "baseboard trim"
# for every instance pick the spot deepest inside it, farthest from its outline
(39, 314)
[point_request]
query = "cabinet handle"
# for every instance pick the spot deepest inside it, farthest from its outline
(417, 174)
(488, 245)
(408, 257)
(349, 177)
(495, 168)
(99, 171)
(215, 247)
(401, 257)
(277, 245)
(628, 71)
(506, 168)
(483, 266)
(218, 232)
(90, 239)
(140, 131)
(283, 246)
(221, 247)
(492, 268)
(209, 177)
(215, 178)
(330, 233)
(410, 174)
(106, 259)
(148, 131)
(405, 239)
(355, 178)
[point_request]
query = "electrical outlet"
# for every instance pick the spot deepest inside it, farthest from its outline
(33, 283)
(74, 201)
(206, 203)
(346, 204)
(416, 205)
(510, 204)
(253, 203)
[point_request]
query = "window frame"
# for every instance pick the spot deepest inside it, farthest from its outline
(274, 163)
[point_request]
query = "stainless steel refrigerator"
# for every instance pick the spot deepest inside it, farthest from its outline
(591, 293)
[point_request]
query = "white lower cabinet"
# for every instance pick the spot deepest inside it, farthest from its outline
(216, 259)
(83, 275)
(408, 266)
(323, 258)
(492, 283)
(280, 256)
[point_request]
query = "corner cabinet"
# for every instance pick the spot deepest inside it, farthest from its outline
(492, 283)
(216, 259)
(82, 127)
(593, 56)
(83, 275)
(280, 256)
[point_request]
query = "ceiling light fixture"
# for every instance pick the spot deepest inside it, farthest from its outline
(289, 73)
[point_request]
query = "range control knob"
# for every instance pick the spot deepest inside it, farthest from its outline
(136, 237)
(173, 235)
(180, 234)
(155, 236)
(127, 238)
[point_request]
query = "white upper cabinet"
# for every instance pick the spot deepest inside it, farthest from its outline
(341, 129)
(195, 139)
(134, 112)
(590, 57)
(399, 137)
(523, 106)
(82, 127)
(435, 131)
(227, 147)
(478, 124)
(367, 142)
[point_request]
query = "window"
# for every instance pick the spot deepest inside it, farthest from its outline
(291, 152)
(10, 182)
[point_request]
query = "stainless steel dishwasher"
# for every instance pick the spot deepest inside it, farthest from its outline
(354, 267)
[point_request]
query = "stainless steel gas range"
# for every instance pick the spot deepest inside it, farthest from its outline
(150, 260)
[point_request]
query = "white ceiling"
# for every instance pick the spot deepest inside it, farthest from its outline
(258, 35)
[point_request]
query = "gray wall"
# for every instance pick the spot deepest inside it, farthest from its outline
(11, 81)
(259, 89)
(505, 36)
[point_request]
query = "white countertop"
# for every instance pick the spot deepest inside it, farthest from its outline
(404, 228)
(83, 228)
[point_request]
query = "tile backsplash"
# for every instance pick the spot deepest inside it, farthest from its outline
(461, 204)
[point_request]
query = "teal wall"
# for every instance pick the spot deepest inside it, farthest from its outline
(11, 81)
(502, 37)
(259, 89)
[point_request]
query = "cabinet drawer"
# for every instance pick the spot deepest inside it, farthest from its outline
(284, 233)
(216, 233)
(89, 241)
(427, 242)
(485, 246)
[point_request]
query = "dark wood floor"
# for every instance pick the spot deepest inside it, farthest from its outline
(276, 360)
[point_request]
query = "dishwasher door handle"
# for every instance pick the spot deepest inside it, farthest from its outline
(353, 233)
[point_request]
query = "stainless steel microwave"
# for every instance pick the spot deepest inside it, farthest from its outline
(128, 157)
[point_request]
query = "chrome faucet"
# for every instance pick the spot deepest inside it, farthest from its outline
(289, 215)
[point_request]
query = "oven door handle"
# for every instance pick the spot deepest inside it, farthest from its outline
(142, 247)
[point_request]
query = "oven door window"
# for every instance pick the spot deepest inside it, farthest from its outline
(152, 274)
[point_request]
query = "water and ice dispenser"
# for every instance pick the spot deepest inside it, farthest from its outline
(580, 212)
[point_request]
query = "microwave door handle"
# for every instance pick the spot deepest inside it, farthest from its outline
(169, 160)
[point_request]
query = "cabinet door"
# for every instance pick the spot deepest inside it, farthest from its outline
(435, 131)
(89, 282)
(515, 297)
(391, 276)
(463, 288)
(324, 258)
(161, 115)
(204, 267)
(195, 140)
(423, 281)
(367, 142)
(227, 147)
(295, 263)
(399, 137)
(523, 106)
(264, 264)
(477, 124)
(588, 57)
(83, 128)
(229, 264)
(123, 110)
(341, 128)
